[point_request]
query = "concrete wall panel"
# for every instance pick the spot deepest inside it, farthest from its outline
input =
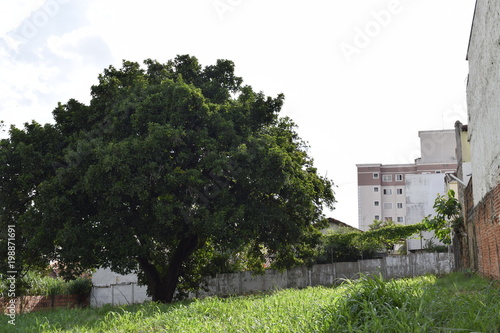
(397, 267)
(322, 275)
(371, 266)
(298, 277)
(347, 270)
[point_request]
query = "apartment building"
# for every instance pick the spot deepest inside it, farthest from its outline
(403, 192)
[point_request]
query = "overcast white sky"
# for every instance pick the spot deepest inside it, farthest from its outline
(360, 78)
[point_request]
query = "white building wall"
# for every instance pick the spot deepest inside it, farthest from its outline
(438, 146)
(467, 172)
(483, 98)
(393, 199)
(367, 209)
(421, 192)
(388, 202)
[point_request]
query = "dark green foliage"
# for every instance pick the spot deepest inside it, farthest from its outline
(167, 166)
(391, 234)
(27, 159)
(430, 246)
(349, 245)
(81, 287)
(344, 245)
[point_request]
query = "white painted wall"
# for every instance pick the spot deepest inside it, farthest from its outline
(438, 146)
(483, 98)
(421, 192)
(116, 289)
(467, 171)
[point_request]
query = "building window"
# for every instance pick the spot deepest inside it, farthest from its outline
(438, 171)
(375, 175)
(387, 191)
(375, 189)
(377, 217)
(388, 218)
(376, 203)
(400, 219)
(399, 178)
(399, 191)
(388, 205)
(400, 205)
(387, 178)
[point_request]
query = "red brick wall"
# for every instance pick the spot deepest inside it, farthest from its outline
(487, 227)
(37, 303)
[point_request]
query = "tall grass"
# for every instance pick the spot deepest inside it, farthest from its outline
(38, 284)
(424, 304)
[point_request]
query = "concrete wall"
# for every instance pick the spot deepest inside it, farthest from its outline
(112, 288)
(483, 97)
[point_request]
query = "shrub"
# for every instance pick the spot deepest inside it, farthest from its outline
(81, 287)
(345, 245)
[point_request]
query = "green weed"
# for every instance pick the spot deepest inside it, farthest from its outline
(423, 304)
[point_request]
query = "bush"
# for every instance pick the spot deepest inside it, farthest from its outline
(80, 287)
(431, 247)
(345, 245)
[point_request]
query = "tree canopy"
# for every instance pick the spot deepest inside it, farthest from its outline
(167, 164)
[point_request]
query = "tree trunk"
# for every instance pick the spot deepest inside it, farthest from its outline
(162, 288)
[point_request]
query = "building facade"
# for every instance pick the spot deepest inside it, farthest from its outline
(403, 192)
(482, 195)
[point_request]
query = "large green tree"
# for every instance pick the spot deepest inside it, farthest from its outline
(168, 163)
(26, 160)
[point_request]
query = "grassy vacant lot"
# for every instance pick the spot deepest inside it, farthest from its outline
(454, 303)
